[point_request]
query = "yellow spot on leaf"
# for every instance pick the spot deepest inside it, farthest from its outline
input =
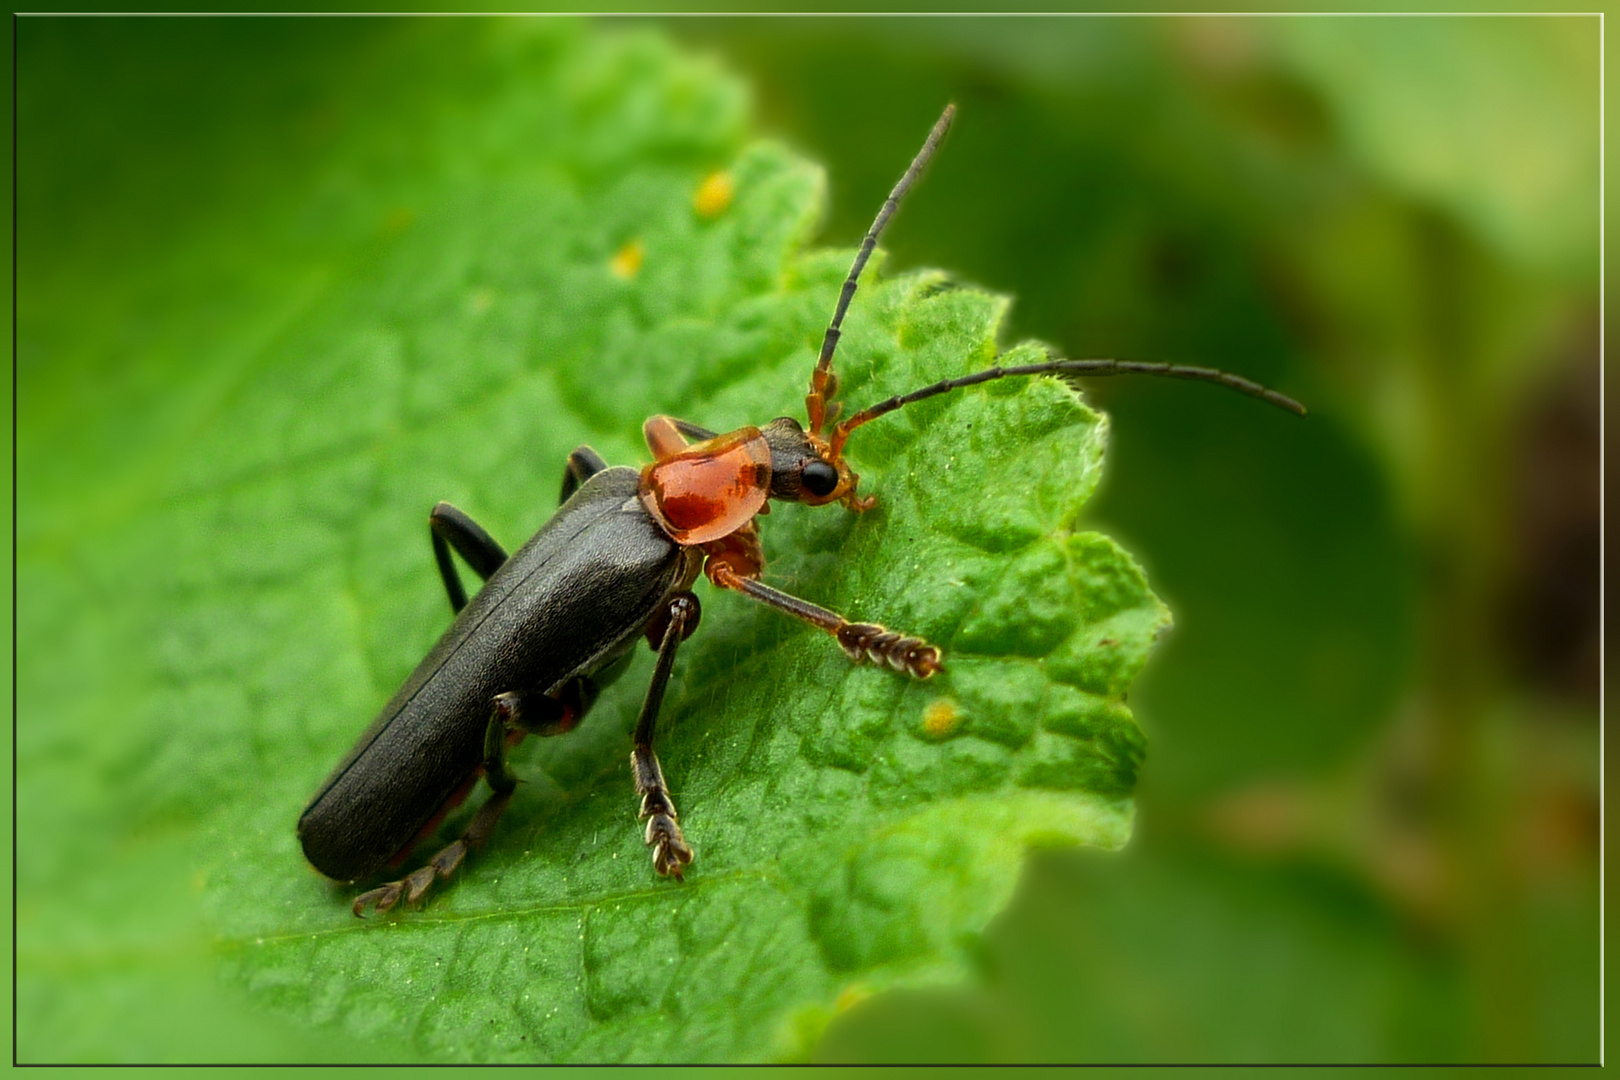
(940, 718)
(627, 261)
(714, 194)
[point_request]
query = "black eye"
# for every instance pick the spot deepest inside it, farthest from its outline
(819, 478)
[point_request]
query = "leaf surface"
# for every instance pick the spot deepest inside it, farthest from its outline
(545, 278)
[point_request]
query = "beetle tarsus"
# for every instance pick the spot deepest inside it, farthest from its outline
(869, 643)
(383, 898)
(413, 886)
(670, 850)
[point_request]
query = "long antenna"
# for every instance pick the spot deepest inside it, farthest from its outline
(822, 382)
(1069, 367)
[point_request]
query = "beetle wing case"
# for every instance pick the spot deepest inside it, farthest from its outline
(570, 601)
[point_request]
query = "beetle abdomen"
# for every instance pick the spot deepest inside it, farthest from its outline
(568, 602)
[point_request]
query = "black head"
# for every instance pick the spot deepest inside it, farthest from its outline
(802, 470)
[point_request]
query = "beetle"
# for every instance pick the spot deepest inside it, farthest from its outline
(555, 621)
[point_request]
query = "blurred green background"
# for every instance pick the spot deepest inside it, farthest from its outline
(1368, 824)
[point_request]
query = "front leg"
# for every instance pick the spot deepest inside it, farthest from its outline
(866, 643)
(667, 436)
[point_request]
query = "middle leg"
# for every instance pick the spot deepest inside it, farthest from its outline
(670, 851)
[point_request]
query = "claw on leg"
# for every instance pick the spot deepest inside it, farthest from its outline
(413, 886)
(869, 643)
(670, 850)
(383, 898)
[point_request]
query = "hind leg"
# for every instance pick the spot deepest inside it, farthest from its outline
(513, 714)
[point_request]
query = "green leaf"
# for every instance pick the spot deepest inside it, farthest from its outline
(241, 507)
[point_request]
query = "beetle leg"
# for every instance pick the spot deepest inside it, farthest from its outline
(693, 431)
(451, 528)
(515, 714)
(412, 887)
(534, 713)
(583, 464)
(864, 643)
(670, 853)
(501, 779)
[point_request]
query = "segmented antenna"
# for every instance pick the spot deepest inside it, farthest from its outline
(822, 381)
(1068, 367)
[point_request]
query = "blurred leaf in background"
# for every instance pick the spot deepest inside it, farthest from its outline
(1368, 815)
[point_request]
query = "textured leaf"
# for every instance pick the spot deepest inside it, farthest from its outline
(854, 830)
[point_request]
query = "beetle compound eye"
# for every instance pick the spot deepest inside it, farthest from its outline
(819, 478)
